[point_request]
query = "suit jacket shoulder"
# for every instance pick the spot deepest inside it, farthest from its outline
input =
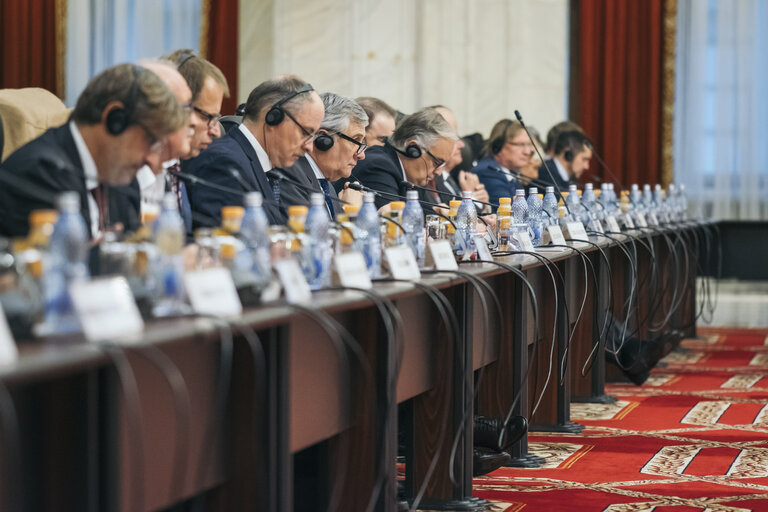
(291, 194)
(35, 174)
(495, 180)
(380, 170)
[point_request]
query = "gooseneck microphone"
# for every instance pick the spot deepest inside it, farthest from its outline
(449, 194)
(544, 162)
(195, 180)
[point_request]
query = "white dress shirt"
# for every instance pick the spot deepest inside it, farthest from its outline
(561, 170)
(91, 177)
(260, 153)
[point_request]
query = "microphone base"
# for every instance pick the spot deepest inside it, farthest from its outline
(568, 427)
(529, 461)
(598, 399)
(469, 503)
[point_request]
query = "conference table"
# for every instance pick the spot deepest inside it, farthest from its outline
(329, 405)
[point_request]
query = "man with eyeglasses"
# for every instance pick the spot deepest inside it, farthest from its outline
(507, 150)
(421, 144)
(119, 120)
(280, 122)
(339, 145)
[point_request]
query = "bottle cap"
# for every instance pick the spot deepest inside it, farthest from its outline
(317, 199)
(40, 217)
(253, 199)
(369, 197)
(598, 192)
(634, 186)
(68, 202)
(550, 190)
(396, 205)
(231, 212)
(541, 196)
(520, 192)
(170, 202)
(560, 212)
(466, 194)
(412, 195)
(454, 204)
(351, 209)
(227, 250)
(297, 211)
(588, 186)
(505, 200)
(572, 188)
(504, 209)
(533, 191)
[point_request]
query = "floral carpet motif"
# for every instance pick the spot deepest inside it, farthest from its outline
(694, 437)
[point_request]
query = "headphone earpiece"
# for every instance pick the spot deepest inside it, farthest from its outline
(184, 57)
(324, 142)
(120, 118)
(568, 155)
(498, 142)
(412, 151)
(116, 121)
(276, 114)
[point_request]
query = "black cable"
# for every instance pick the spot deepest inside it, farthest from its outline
(9, 419)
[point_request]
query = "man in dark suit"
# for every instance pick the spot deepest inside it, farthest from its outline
(279, 126)
(572, 154)
(508, 150)
(422, 143)
(118, 122)
(339, 145)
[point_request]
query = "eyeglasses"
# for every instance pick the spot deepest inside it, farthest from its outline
(439, 162)
(361, 146)
(521, 144)
(309, 135)
(211, 119)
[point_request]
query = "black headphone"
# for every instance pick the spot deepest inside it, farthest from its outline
(499, 141)
(412, 150)
(120, 118)
(568, 155)
(184, 57)
(276, 114)
(324, 141)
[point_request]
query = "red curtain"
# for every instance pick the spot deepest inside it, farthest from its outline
(616, 85)
(28, 52)
(222, 42)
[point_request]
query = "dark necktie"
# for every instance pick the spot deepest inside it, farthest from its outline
(327, 191)
(176, 183)
(101, 196)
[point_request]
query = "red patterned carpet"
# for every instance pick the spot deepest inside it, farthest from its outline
(694, 437)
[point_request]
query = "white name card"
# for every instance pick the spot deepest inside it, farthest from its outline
(350, 271)
(9, 354)
(106, 309)
(524, 240)
(627, 220)
(555, 235)
(652, 219)
(483, 253)
(575, 231)
(440, 255)
(293, 281)
(594, 225)
(610, 221)
(402, 263)
(641, 220)
(212, 292)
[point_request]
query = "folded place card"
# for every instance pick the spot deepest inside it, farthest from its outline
(106, 309)
(575, 231)
(293, 280)
(613, 226)
(554, 235)
(350, 271)
(440, 255)
(483, 253)
(212, 292)
(402, 263)
(9, 354)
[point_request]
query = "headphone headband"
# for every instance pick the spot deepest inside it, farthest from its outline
(276, 114)
(185, 56)
(304, 88)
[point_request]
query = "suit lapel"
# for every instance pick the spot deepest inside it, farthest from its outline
(64, 137)
(258, 178)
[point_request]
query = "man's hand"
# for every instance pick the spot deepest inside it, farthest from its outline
(353, 197)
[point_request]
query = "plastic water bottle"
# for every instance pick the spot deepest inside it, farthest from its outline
(368, 236)
(574, 205)
(170, 235)
(660, 202)
(534, 215)
(413, 222)
(466, 226)
(519, 207)
(683, 202)
(67, 263)
(647, 198)
(318, 244)
(549, 205)
(254, 232)
(504, 223)
(636, 199)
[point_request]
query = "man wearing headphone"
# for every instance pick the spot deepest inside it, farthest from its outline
(280, 123)
(507, 150)
(572, 153)
(422, 143)
(119, 120)
(339, 145)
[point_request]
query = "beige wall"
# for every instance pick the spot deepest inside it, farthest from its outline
(482, 58)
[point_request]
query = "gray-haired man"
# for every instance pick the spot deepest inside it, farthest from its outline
(422, 143)
(338, 146)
